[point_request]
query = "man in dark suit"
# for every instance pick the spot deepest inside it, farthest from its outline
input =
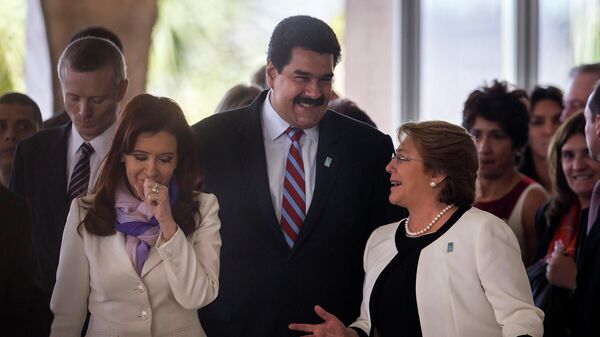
(587, 293)
(56, 165)
(23, 311)
(300, 189)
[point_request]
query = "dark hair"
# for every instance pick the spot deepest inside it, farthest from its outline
(594, 101)
(146, 113)
(546, 93)
(98, 31)
(348, 108)
(304, 32)
(450, 150)
(238, 96)
(562, 196)
(22, 99)
(497, 104)
(90, 54)
(592, 68)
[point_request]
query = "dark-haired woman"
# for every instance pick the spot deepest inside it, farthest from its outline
(498, 119)
(544, 119)
(142, 252)
(564, 217)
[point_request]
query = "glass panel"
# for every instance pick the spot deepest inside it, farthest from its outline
(555, 54)
(463, 45)
(584, 21)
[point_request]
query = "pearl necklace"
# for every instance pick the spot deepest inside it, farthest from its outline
(428, 227)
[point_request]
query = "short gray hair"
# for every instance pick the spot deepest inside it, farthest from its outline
(90, 54)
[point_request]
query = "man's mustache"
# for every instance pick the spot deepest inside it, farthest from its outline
(310, 101)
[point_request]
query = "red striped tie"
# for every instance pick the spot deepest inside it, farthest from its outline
(80, 177)
(293, 202)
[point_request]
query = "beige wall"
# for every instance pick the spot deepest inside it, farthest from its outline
(131, 20)
(371, 59)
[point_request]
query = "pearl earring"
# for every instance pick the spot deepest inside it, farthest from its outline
(433, 184)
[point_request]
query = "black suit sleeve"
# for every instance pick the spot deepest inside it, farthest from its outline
(360, 332)
(24, 307)
(544, 232)
(16, 182)
(200, 138)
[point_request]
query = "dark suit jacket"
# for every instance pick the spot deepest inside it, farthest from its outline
(23, 311)
(587, 294)
(264, 285)
(58, 119)
(39, 175)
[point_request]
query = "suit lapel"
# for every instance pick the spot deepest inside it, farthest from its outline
(153, 260)
(54, 163)
(253, 165)
(114, 246)
(590, 243)
(327, 165)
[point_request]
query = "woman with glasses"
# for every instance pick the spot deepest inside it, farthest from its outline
(448, 269)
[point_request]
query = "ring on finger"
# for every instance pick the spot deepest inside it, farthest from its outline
(155, 188)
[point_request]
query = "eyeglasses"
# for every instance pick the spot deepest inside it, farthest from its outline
(403, 159)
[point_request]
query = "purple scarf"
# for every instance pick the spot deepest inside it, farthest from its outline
(135, 219)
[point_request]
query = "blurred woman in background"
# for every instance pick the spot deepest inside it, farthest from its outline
(563, 219)
(498, 119)
(544, 119)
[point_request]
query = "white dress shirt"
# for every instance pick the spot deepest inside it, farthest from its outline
(277, 146)
(101, 145)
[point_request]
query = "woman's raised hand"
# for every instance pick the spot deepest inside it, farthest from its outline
(331, 327)
(157, 197)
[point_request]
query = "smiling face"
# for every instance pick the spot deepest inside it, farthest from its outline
(545, 119)
(92, 99)
(408, 177)
(301, 92)
(494, 148)
(581, 171)
(154, 156)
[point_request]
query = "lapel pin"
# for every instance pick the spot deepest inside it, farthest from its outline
(450, 247)
(328, 161)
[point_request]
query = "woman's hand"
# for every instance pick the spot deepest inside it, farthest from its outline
(561, 270)
(157, 197)
(332, 327)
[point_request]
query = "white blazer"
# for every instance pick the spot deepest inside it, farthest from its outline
(96, 274)
(470, 281)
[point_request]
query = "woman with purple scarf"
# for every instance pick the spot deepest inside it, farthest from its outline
(141, 253)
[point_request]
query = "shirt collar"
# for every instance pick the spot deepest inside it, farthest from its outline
(276, 126)
(100, 143)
